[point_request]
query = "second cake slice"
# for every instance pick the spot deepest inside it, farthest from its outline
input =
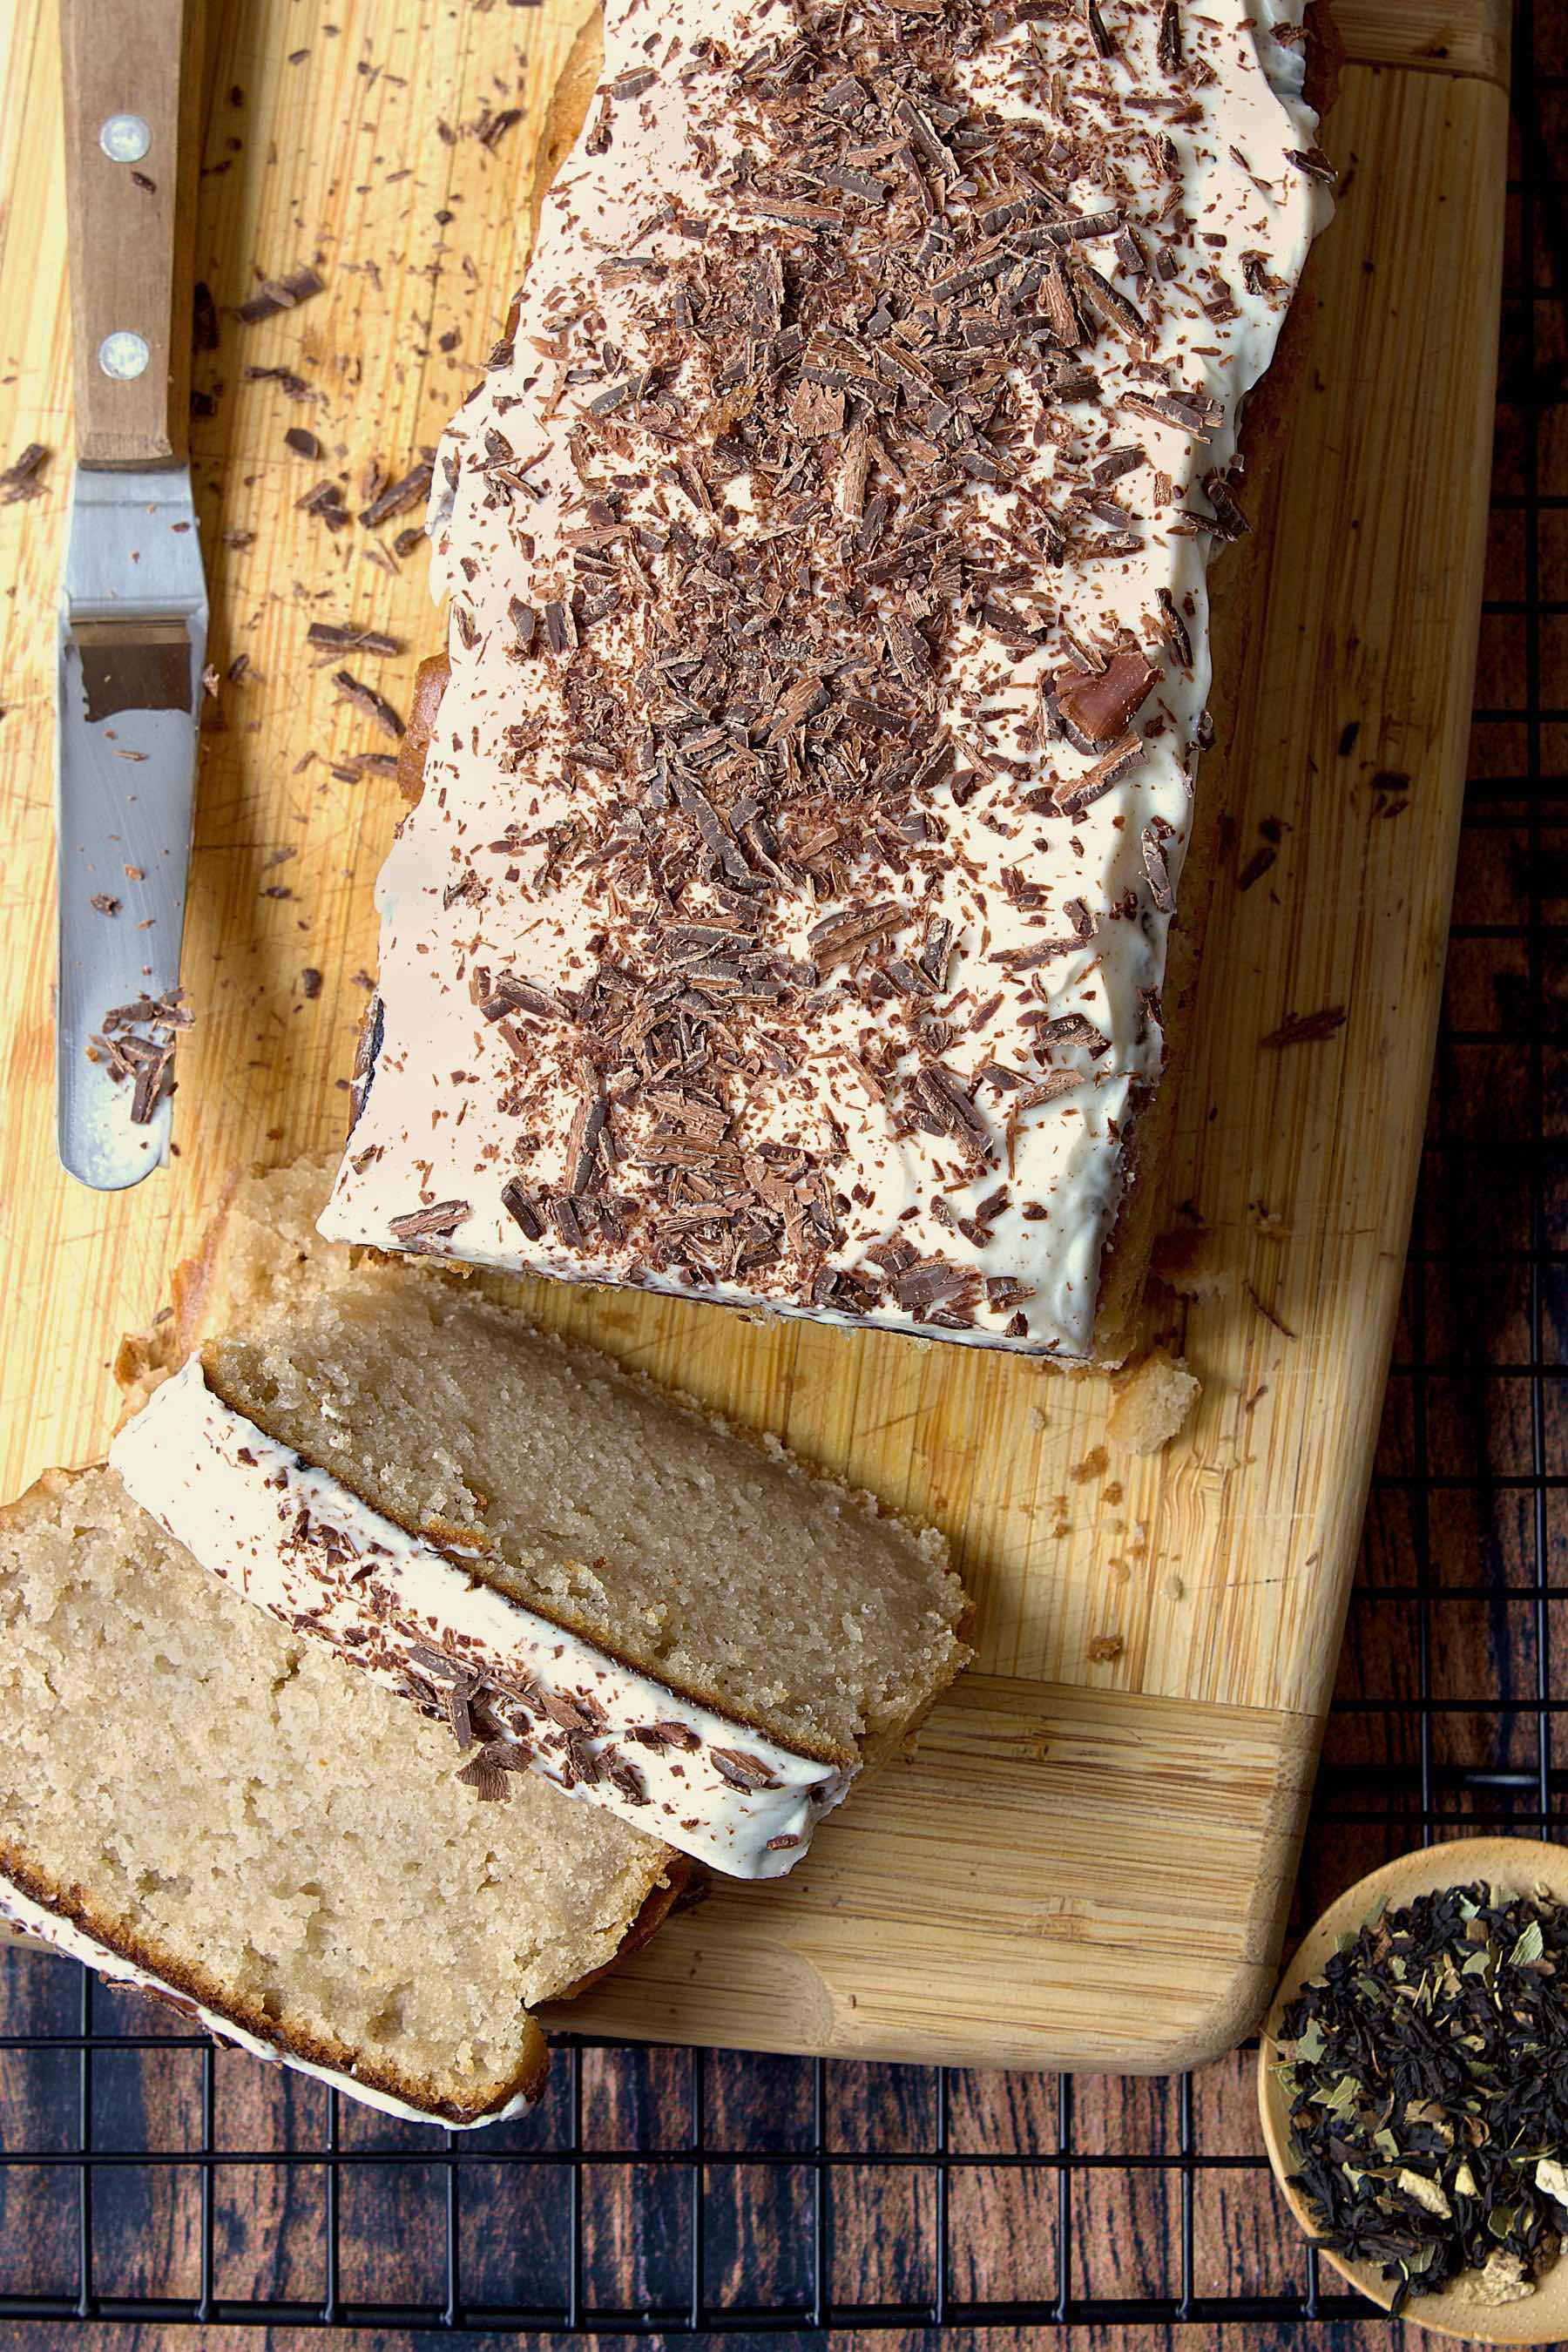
(589, 1577)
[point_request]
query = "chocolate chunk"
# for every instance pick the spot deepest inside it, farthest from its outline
(1098, 709)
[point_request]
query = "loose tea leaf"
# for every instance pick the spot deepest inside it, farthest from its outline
(1428, 2074)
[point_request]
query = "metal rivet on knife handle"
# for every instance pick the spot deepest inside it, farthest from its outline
(123, 354)
(124, 138)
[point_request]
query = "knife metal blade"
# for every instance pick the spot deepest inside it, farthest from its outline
(132, 647)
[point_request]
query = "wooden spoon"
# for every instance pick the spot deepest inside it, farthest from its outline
(1520, 1864)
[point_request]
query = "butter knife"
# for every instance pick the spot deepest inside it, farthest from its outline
(133, 602)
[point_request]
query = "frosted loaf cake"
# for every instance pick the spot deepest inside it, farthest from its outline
(785, 914)
(198, 1802)
(579, 1575)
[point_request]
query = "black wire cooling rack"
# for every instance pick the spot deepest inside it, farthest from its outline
(145, 2175)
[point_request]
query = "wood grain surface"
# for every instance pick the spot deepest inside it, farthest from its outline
(1448, 36)
(396, 153)
(309, 161)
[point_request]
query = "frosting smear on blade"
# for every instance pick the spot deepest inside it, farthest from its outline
(521, 1693)
(784, 920)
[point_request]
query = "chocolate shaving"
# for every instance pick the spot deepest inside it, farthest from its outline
(948, 1107)
(365, 698)
(412, 490)
(294, 387)
(325, 500)
(1195, 413)
(573, 1711)
(837, 939)
(583, 1143)
(1306, 1028)
(1230, 522)
(507, 995)
(741, 1770)
(148, 1061)
(277, 294)
(457, 1695)
(420, 1224)
(205, 334)
(492, 128)
(522, 1210)
(344, 638)
(20, 477)
(486, 1773)
(1159, 872)
(1077, 792)
(1269, 1315)
(1174, 629)
(1104, 46)
(1313, 162)
(148, 1090)
(665, 1735)
(626, 1782)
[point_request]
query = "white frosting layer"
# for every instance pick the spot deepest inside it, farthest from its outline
(300, 1543)
(64, 1934)
(478, 882)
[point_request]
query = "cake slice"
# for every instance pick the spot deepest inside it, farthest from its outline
(789, 912)
(196, 1800)
(581, 1573)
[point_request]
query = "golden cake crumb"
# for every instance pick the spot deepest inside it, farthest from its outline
(1153, 1404)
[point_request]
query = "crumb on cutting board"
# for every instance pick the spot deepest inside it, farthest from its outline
(1153, 1404)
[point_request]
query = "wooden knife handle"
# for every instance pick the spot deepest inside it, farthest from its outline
(133, 66)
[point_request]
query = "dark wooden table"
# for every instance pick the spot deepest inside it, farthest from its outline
(1446, 1718)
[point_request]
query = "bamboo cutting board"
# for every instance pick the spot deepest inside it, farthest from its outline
(1088, 1858)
